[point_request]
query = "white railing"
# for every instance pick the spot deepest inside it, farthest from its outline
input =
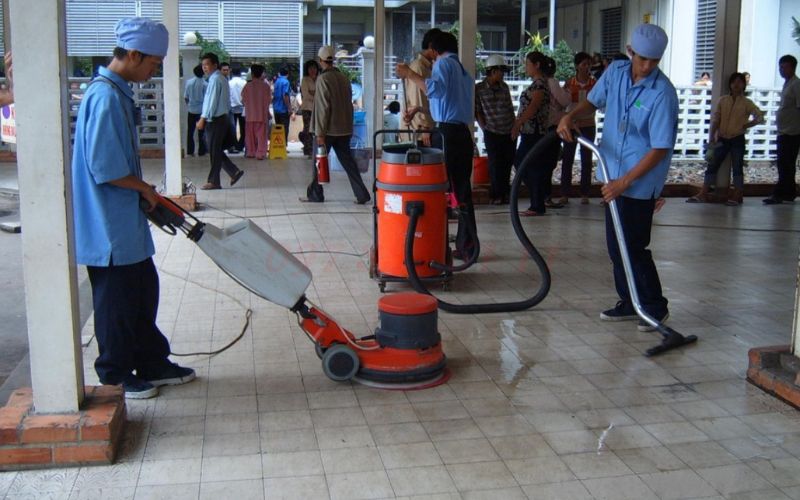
(149, 96)
(693, 120)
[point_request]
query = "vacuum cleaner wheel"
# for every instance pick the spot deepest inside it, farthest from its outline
(340, 363)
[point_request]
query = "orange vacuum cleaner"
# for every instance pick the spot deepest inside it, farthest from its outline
(405, 350)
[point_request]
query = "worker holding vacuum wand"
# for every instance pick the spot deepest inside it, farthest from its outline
(641, 122)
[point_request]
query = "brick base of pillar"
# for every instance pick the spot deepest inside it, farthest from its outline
(30, 440)
(775, 370)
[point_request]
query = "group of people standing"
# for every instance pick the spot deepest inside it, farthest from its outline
(218, 103)
(541, 106)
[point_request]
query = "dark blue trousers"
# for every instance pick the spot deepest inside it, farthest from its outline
(637, 218)
(125, 308)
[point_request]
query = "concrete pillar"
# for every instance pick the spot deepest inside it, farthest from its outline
(726, 60)
(468, 20)
(43, 153)
(173, 97)
(190, 57)
(413, 29)
(380, 67)
(433, 13)
(522, 7)
(373, 101)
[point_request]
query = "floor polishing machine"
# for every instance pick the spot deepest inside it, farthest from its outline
(404, 352)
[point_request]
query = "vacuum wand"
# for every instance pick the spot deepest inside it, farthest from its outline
(671, 338)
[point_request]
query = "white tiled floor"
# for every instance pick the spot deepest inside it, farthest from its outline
(550, 403)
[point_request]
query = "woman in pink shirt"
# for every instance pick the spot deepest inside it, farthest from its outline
(256, 96)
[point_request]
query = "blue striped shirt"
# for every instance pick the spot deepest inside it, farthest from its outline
(217, 101)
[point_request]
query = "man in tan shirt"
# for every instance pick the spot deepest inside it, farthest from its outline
(417, 114)
(333, 124)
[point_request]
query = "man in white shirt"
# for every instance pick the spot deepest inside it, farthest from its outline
(236, 84)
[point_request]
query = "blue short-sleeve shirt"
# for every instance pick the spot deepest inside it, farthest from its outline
(281, 89)
(638, 118)
(450, 91)
(109, 225)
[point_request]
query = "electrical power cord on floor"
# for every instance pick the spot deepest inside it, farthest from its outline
(247, 316)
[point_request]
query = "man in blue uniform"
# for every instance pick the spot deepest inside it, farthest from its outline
(112, 237)
(641, 124)
(450, 91)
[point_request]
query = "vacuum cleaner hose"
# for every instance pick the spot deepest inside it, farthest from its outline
(414, 211)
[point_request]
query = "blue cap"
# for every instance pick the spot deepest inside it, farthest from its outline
(142, 34)
(649, 41)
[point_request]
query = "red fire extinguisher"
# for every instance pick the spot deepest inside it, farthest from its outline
(323, 175)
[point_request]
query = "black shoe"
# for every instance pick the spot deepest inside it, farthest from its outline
(238, 175)
(171, 375)
(363, 202)
(621, 312)
(136, 388)
(772, 200)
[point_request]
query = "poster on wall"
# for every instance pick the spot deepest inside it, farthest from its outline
(8, 124)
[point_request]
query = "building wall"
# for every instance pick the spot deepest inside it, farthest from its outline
(786, 43)
(679, 21)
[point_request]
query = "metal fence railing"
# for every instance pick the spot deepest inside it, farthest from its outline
(149, 96)
(693, 120)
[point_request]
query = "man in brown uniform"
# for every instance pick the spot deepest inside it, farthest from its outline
(333, 124)
(417, 114)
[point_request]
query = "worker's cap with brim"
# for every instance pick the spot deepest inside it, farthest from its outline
(496, 61)
(142, 34)
(649, 41)
(325, 53)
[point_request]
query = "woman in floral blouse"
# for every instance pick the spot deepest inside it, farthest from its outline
(530, 125)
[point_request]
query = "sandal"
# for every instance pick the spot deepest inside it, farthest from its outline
(549, 203)
(530, 213)
(698, 198)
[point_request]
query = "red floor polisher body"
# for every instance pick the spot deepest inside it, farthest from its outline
(405, 351)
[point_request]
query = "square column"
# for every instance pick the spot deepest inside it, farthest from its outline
(43, 153)
(173, 97)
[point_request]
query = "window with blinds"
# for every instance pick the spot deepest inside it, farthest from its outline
(611, 37)
(262, 29)
(201, 16)
(90, 25)
(249, 28)
(704, 37)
